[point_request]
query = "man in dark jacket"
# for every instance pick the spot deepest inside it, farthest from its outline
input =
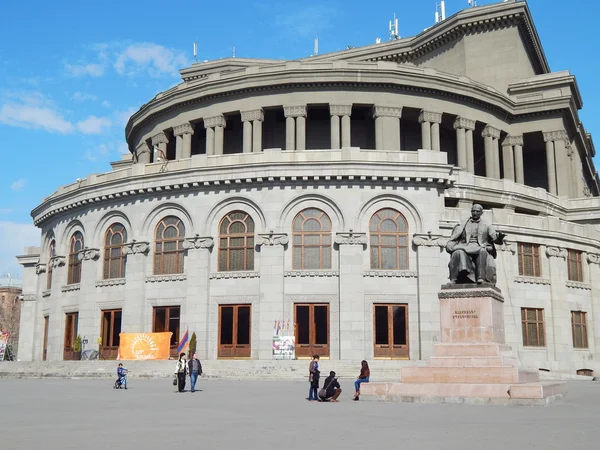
(195, 370)
(332, 389)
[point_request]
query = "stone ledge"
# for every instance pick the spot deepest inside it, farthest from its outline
(470, 291)
(532, 280)
(111, 282)
(233, 275)
(46, 293)
(71, 287)
(390, 273)
(578, 285)
(312, 273)
(163, 278)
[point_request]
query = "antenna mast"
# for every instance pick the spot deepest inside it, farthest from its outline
(316, 49)
(440, 11)
(195, 52)
(473, 3)
(394, 29)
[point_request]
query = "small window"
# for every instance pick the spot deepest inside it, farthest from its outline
(49, 268)
(389, 240)
(533, 327)
(575, 265)
(75, 247)
(529, 260)
(579, 327)
(236, 242)
(311, 237)
(168, 250)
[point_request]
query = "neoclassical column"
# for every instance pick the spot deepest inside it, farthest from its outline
(551, 162)
(87, 320)
(492, 156)
(298, 114)
(562, 161)
(558, 317)
(252, 121)
(134, 308)
(334, 129)
(387, 127)
(508, 158)
(346, 111)
(430, 129)
(183, 144)
(215, 127)
(290, 128)
(351, 246)
(160, 141)
(425, 132)
(142, 153)
(339, 113)
(518, 153)
(593, 260)
(464, 142)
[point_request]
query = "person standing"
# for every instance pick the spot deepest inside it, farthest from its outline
(195, 370)
(313, 379)
(365, 373)
(180, 372)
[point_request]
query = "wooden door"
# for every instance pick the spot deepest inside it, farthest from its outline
(71, 320)
(167, 318)
(234, 331)
(45, 347)
(311, 325)
(110, 330)
(390, 331)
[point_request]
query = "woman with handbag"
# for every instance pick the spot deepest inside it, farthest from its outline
(313, 379)
(365, 373)
(181, 372)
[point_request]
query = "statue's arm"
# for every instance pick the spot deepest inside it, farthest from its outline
(454, 238)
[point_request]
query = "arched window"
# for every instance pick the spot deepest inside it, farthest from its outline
(311, 240)
(75, 246)
(114, 259)
(389, 240)
(168, 250)
(49, 268)
(236, 242)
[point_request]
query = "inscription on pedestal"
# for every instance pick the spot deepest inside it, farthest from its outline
(465, 314)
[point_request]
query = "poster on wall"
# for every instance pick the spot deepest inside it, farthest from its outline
(144, 346)
(3, 342)
(284, 347)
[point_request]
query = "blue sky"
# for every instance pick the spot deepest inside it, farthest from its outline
(72, 72)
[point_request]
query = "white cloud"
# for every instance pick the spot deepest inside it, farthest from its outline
(306, 21)
(94, 125)
(15, 237)
(106, 104)
(82, 97)
(123, 148)
(123, 116)
(18, 185)
(153, 59)
(30, 116)
(6, 211)
(79, 70)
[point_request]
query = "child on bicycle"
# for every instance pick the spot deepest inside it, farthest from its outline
(121, 374)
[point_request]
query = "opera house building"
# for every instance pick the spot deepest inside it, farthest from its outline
(314, 197)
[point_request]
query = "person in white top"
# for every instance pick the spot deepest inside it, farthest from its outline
(181, 372)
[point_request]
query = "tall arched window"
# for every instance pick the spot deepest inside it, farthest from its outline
(236, 242)
(114, 259)
(75, 246)
(168, 249)
(311, 240)
(389, 240)
(49, 268)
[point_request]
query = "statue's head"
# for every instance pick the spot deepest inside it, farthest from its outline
(476, 211)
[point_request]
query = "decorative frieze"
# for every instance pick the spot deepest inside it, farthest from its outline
(463, 123)
(215, 121)
(295, 111)
(46, 293)
(340, 110)
(40, 268)
(387, 111)
(233, 275)
(476, 292)
(390, 274)
(431, 117)
(558, 135)
(532, 280)
(184, 128)
(28, 298)
(490, 131)
(510, 141)
(58, 261)
(198, 241)
(556, 252)
(71, 287)
(160, 138)
(271, 239)
(350, 238)
(578, 285)
(166, 278)
(89, 254)
(111, 282)
(311, 273)
(430, 240)
(134, 247)
(256, 114)
(593, 258)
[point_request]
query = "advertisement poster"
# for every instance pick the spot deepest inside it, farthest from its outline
(144, 346)
(3, 342)
(284, 347)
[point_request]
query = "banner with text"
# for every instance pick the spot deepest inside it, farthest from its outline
(284, 347)
(144, 346)
(3, 342)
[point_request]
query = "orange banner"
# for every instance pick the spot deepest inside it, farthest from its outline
(144, 346)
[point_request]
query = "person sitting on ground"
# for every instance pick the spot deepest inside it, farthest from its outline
(365, 373)
(331, 389)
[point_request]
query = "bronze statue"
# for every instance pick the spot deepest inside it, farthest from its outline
(472, 250)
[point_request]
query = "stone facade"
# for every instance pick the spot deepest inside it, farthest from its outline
(400, 127)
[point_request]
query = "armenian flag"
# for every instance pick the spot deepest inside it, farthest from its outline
(183, 342)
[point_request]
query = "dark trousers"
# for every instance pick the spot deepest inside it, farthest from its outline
(180, 381)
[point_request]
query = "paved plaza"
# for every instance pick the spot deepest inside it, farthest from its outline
(86, 414)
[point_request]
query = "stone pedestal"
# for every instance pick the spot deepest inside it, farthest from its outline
(472, 364)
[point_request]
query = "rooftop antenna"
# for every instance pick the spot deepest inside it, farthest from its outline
(378, 40)
(473, 3)
(316, 49)
(195, 52)
(233, 52)
(440, 11)
(394, 29)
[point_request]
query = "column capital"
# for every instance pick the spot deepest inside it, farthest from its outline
(387, 111)
(272, 239)
(430, 240)
(351, 238)
(184, 128)
(198, 241)
(89, 254)
(340, 110)
(215, 121)
(142, 148)
(593, 258)
(429, 116)
(295, 111)
(134, 247)
(58, 261)
(160, 138)
(464, 123)
(512, 140)
(556, 135)
(40, 268)
(255, 114)
(556, 252)
(490, 131)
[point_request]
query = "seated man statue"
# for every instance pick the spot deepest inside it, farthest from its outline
(472, 250)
